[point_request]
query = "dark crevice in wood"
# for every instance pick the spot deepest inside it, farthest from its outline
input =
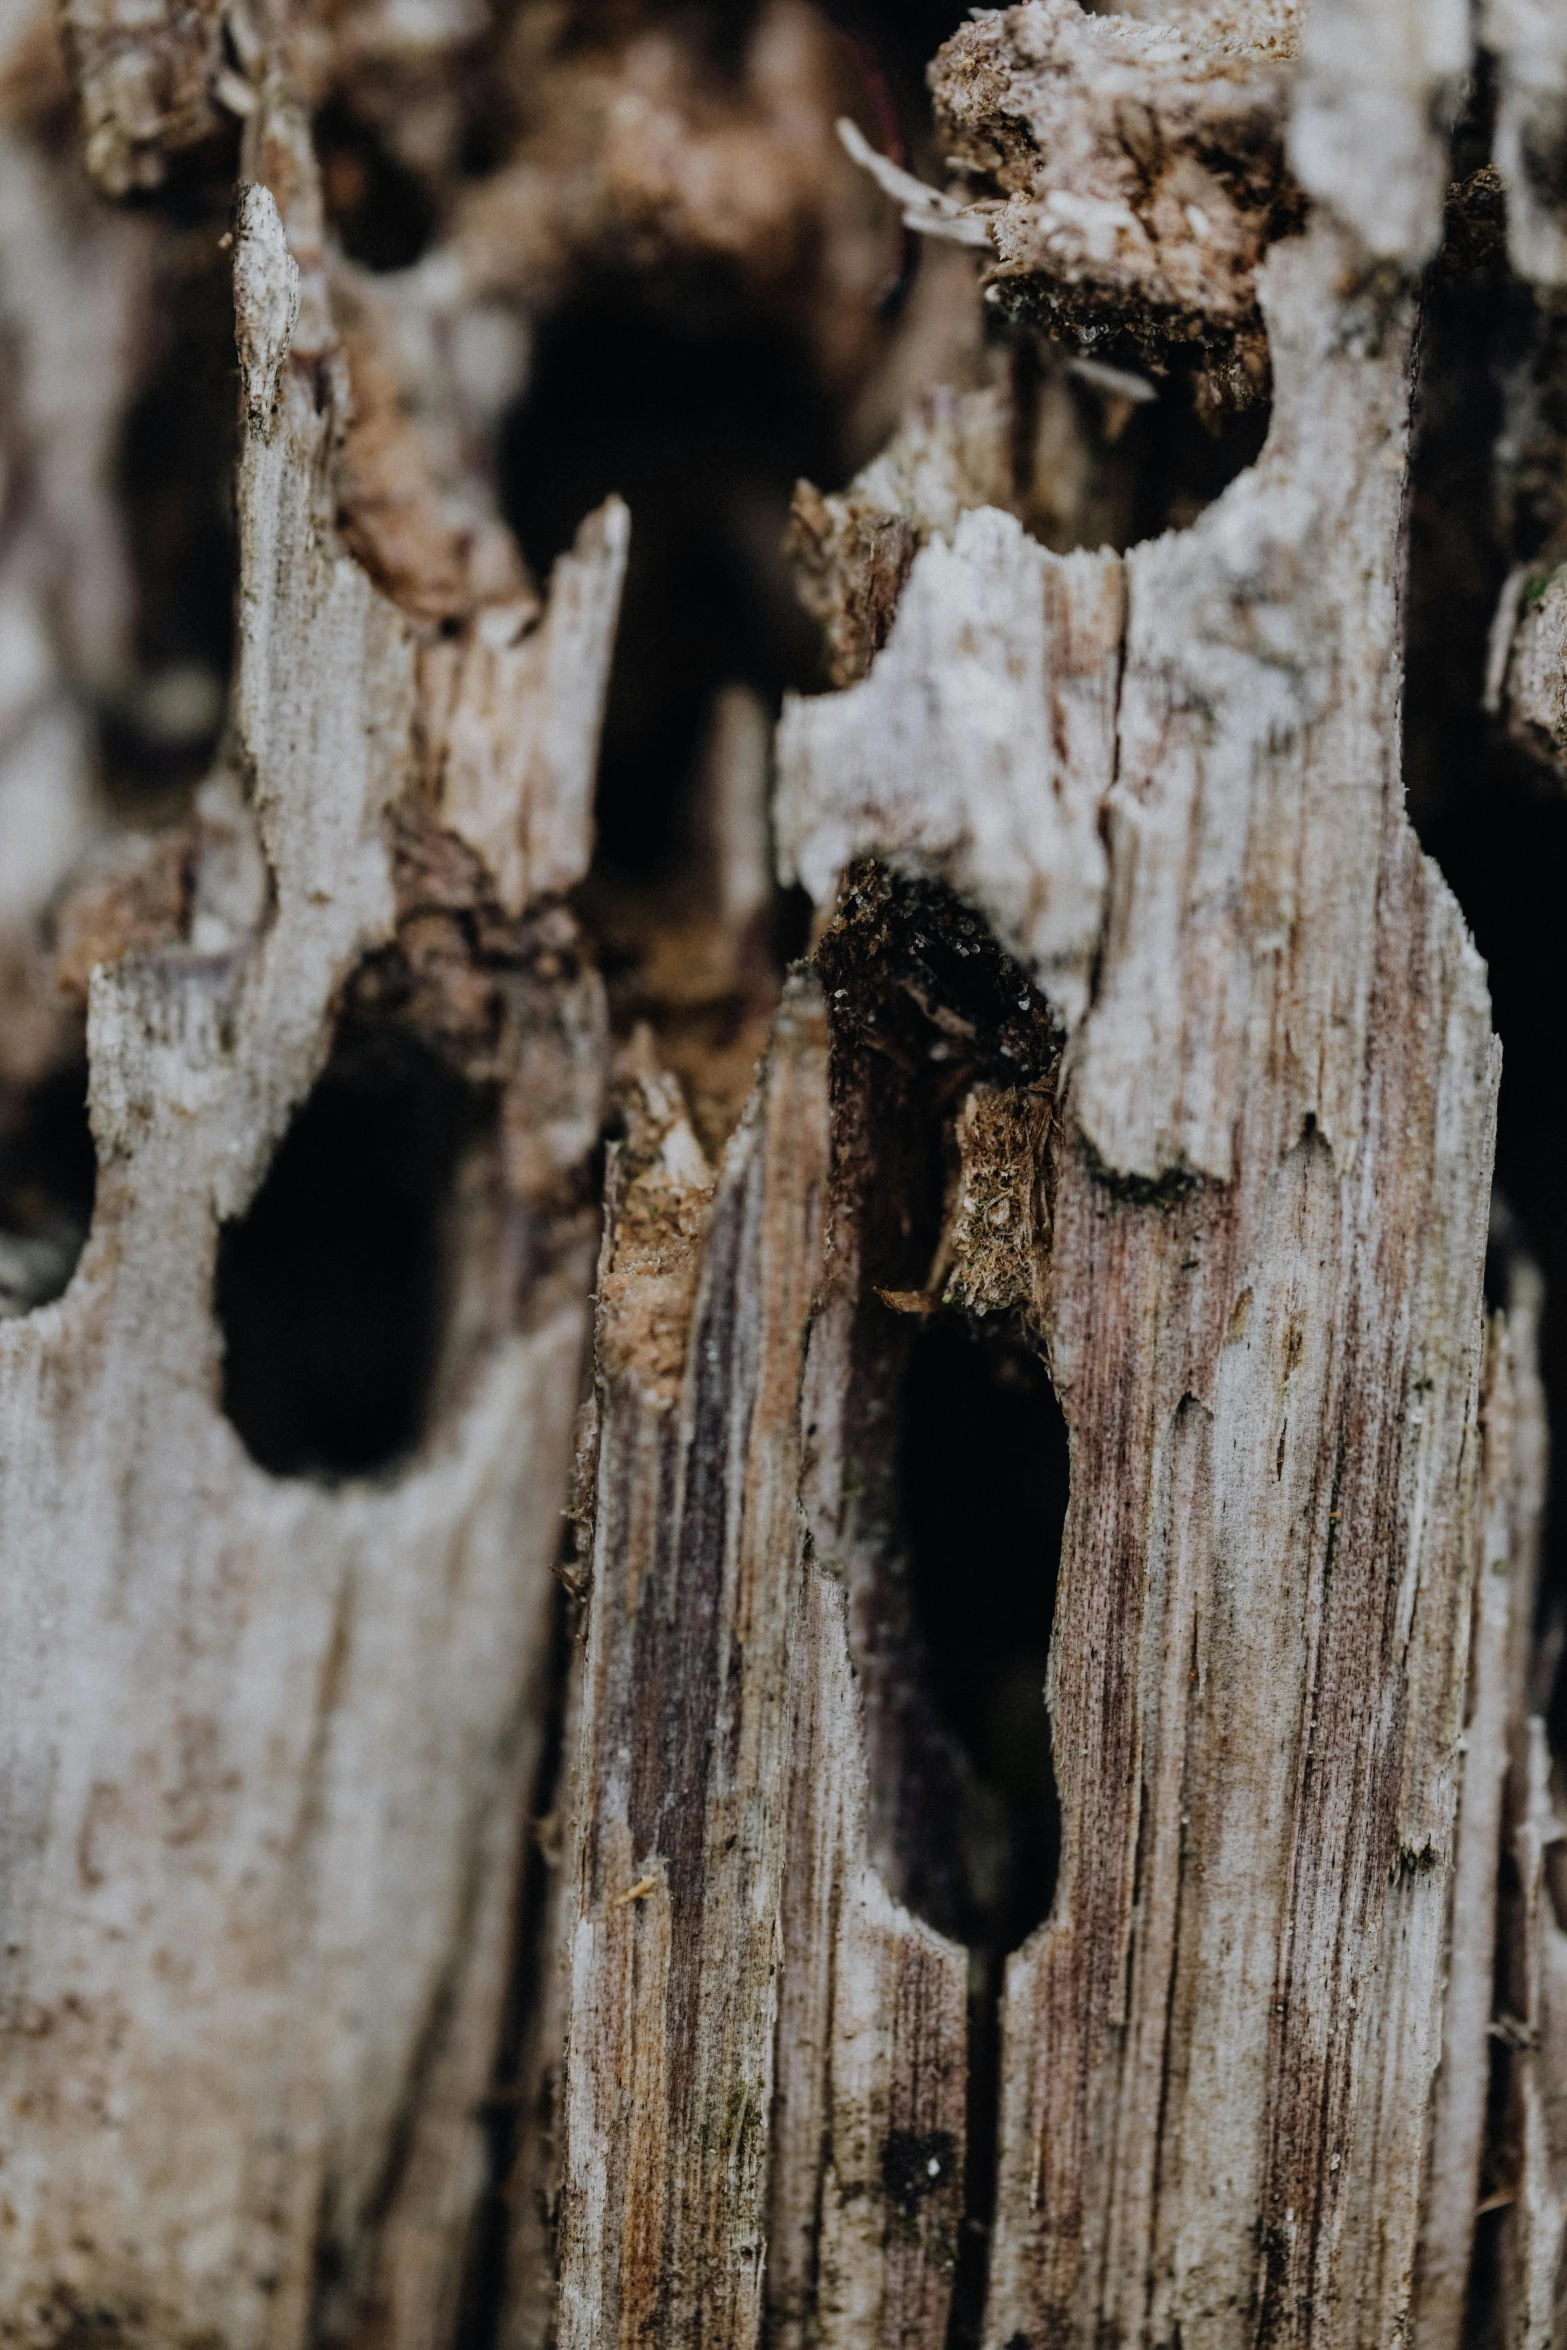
(174, 466)
(924, 1004)
(1502, 843)
(48, 1176)
(984, 1470)
(960, 1460)
(329, 1288)
(1486, 492)
(1185, 458)
(384, 213)
(1141, 468)
(702, 418)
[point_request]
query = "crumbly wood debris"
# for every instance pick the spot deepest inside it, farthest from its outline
(1003, 652)
(1137, 174)
(146, 79)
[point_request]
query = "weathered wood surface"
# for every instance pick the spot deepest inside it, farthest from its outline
(1260, 1301)
(1219, 2054)
(1502, 1802)
(715, 1673)
(1135, 1034)
(1528, 2298)
(268, 1745)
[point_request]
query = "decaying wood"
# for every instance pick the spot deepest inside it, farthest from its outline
(1268, 1216)
(269, 1747)
(1135, 1044)
(1504, 1517)
(1230, 2027)
(1143, 173)
(146, 83)
(682, 1836)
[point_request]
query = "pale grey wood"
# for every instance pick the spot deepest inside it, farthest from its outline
(267, 1744)
(1529, 41)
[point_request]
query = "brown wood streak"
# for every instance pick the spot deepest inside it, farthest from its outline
(726, 1907)
(684, 1749)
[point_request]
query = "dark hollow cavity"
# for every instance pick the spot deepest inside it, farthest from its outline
(330, 1287)
(953, 1433)
(703, 425)
(983, 1472)
(1184, 460)
(959, 1466)
(174, 468)
(983, 1475)
(1138, 468)
(382, 211)
(1488, 490)
(48, 1175)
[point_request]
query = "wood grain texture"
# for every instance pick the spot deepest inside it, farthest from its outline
(869, 2120)
(268, 1742)
(686, 1720)
(1137, 1050)
(1534, 2230)
(1484, 1992)
(765, 2051)
(1263, 1325)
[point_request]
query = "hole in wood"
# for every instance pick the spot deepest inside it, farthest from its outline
(1184, 455)
(48, 1175)
(983, 1475)
(957, 1451)
(1096, 464)
(383, 212)
(983, 1471)
(331, 1288)
(956, 1499)
(173, 473)
(703, 423)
